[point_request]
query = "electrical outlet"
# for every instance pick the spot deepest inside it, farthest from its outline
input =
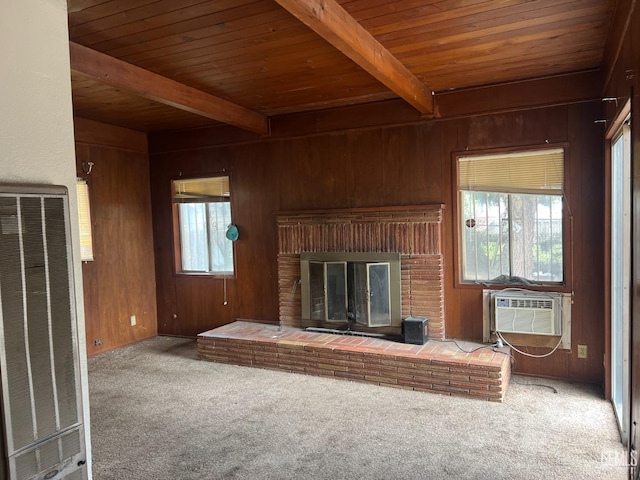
(582, 351)
(133, 320)
(97, 342)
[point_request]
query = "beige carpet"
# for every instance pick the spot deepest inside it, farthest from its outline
(159, 413)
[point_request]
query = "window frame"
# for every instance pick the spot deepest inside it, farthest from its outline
(177, 245)
(567, 222)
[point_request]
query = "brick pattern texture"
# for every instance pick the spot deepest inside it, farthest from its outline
(414, 232)
(435, 367)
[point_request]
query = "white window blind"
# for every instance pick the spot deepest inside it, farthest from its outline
(202, 189)
(84, 221)
(537, 172)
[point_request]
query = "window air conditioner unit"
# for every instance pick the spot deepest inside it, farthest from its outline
(528, 312)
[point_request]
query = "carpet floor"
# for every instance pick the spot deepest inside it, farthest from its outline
(159, 413)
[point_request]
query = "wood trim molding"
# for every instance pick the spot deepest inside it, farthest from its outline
(146, 84)
(333, 23)
(97, 133)
(618, 29)
(364, 210)
(538, 92)
(544, 92)
(621, 115)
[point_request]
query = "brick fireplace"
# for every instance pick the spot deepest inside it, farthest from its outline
(414, 232)
(415, 235)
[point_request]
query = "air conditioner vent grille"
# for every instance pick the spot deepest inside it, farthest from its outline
(537, 313)
(530, 303)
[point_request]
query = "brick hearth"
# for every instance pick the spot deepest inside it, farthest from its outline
(437, 367)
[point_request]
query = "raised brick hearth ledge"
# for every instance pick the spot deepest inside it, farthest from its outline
(437, 367)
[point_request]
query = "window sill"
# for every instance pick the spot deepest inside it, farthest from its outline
(544, 287)
(216, 275)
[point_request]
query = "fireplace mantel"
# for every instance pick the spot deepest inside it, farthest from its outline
(436, 207)
(414, 232)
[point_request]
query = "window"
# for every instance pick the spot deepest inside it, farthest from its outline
(84, 221)
(621, 273)
(511, 217)
(203, 208)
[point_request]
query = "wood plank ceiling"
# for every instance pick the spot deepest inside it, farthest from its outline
(271, 57)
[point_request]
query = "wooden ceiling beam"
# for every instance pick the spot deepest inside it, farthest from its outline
(333, 23)
(146, 84)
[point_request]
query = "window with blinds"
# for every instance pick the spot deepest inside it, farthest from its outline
(84, 221)
(203, 215)
(511, 217)
(534, 172)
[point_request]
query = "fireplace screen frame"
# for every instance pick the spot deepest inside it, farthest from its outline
(319, 307)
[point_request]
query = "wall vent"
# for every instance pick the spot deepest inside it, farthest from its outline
(42, 421)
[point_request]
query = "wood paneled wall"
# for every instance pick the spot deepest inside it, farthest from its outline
(375, 166)
(120, 282)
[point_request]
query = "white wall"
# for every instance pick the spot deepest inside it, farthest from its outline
(36, 120)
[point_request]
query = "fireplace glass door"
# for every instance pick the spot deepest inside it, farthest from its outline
(359, 291)
(328, 291)
(335, 274)
(371, 294)
(317, 291)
